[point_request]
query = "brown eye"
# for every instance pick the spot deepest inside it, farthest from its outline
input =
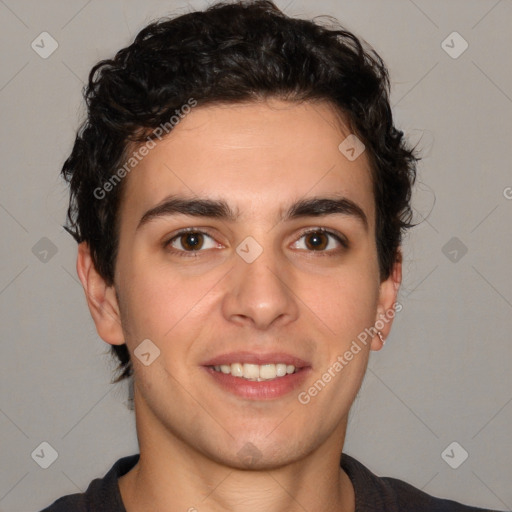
(316, 241)
(322, 241)
(191, 241)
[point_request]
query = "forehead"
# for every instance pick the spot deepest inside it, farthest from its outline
(255, 156)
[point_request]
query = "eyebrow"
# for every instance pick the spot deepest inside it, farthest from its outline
(219, 209)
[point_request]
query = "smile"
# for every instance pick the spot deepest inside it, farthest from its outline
(256, 372)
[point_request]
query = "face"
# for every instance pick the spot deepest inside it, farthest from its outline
(247, 244)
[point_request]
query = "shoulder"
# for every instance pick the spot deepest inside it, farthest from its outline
(384, 494)
(69, 503)
(102, 494)
(406, 495)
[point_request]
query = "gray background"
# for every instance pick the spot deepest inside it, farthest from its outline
(444, 374)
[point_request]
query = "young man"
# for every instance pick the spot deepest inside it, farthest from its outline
(239, 194)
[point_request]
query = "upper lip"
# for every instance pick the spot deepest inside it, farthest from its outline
(256, 358)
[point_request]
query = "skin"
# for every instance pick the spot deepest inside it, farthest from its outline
(259, 158)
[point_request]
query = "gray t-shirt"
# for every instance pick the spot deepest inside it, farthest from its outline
(373, 493)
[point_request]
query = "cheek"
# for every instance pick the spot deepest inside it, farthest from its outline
(346, 303)
(157, 301)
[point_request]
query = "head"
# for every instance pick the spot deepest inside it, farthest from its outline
(247, 107)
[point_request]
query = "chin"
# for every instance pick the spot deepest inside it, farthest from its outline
(259, 455)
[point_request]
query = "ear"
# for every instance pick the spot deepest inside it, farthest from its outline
(388, 293)
(101, 298)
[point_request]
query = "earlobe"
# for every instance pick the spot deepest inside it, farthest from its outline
(101, 298)
(386, 309)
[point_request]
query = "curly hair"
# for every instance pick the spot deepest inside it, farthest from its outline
(231, 52)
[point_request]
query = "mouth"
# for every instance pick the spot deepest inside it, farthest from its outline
(258, 376)
(256, 372)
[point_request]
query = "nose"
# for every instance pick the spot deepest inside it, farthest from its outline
(260, 293)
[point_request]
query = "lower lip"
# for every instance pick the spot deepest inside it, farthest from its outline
(263, 390)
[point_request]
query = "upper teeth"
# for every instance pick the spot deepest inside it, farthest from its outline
(255, 371)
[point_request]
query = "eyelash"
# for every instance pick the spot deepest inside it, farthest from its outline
(187, 254)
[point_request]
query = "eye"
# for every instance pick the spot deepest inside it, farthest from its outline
(190, 240)
(320, 240)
